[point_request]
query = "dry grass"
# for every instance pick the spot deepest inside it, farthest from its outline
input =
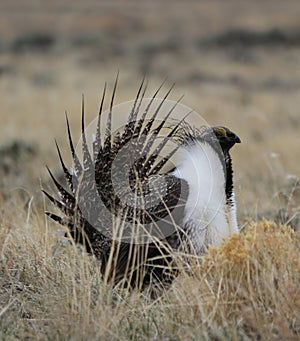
(248, 288)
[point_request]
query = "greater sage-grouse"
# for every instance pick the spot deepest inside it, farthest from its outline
(130, 210)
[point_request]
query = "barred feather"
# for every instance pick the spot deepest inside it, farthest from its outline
(101, 217)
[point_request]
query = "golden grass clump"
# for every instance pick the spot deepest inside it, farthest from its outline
(266, 239)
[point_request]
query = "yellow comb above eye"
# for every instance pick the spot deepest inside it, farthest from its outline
(220, 130)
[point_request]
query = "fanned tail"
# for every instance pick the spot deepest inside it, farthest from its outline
(92, 205)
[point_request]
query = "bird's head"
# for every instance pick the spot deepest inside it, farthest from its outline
(219, 136)
(225, 137)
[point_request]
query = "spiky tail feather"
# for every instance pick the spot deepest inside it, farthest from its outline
(127, 263)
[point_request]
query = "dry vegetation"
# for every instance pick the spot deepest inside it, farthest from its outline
(248, 288)
(238, 64)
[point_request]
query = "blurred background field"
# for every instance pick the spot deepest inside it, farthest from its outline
(237, 64)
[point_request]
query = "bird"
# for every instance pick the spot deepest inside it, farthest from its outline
(127, 206)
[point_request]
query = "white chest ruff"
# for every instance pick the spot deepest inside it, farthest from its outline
(208, 219)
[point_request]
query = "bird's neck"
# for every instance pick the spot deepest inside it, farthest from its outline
(230, 196)
(229, 175)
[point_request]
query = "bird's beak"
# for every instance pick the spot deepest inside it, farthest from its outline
(236, 139)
